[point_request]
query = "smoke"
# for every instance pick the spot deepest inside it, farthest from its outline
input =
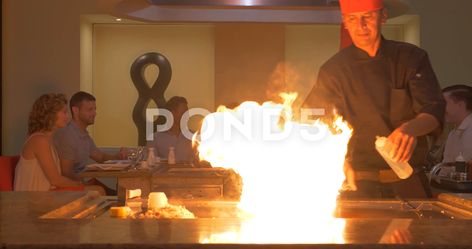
(288, 78)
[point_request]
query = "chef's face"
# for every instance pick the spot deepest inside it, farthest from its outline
(364, 27)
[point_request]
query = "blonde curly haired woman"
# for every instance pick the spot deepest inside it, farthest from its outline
(38, 168)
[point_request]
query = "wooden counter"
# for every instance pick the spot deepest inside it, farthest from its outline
(20, 227)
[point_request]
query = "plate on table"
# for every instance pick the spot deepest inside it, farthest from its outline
(118, 162)
(109, 165)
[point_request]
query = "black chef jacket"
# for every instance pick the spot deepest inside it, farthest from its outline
(377, 94)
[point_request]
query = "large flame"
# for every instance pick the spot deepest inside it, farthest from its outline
(291, 171)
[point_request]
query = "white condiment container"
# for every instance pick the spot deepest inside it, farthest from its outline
(171, 156)
(151, 156)
(133, 193)
(157, 200)
(402, 169)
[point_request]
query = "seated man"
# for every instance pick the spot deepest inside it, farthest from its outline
(459, 141)
(459, 113)
(74, 144)
(173, 137)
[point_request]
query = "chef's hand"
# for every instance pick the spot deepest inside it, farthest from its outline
(403, 144)
(350, 182)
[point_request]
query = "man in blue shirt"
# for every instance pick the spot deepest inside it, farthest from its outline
(163, 140)
(74, 145)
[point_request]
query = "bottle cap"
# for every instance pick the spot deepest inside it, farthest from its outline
(460, 158)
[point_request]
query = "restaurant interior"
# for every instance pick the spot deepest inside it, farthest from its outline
(218, 53)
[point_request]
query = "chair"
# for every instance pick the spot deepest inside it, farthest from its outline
(7, 172)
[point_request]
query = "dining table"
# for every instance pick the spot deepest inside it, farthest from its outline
(182, 180)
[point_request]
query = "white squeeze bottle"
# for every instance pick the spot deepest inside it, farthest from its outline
(171, 156)
(402, 169)
(151, 157)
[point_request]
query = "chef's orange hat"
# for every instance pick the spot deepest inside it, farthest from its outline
(353, 6)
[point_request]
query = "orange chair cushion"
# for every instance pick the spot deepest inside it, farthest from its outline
(7, 172)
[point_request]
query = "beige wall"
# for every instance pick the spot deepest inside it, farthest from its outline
(211, 64)
(189, 49)
(245, 57)
(446, 35)
(42, 51)
(308, 47)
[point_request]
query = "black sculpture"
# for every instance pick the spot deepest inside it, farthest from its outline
(146, 93)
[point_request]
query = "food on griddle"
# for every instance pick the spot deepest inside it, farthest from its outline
(120, 212)
(168, 212)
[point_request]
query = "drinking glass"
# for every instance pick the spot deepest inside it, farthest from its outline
(136, 155)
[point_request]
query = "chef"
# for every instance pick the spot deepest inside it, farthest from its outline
(382, 88)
